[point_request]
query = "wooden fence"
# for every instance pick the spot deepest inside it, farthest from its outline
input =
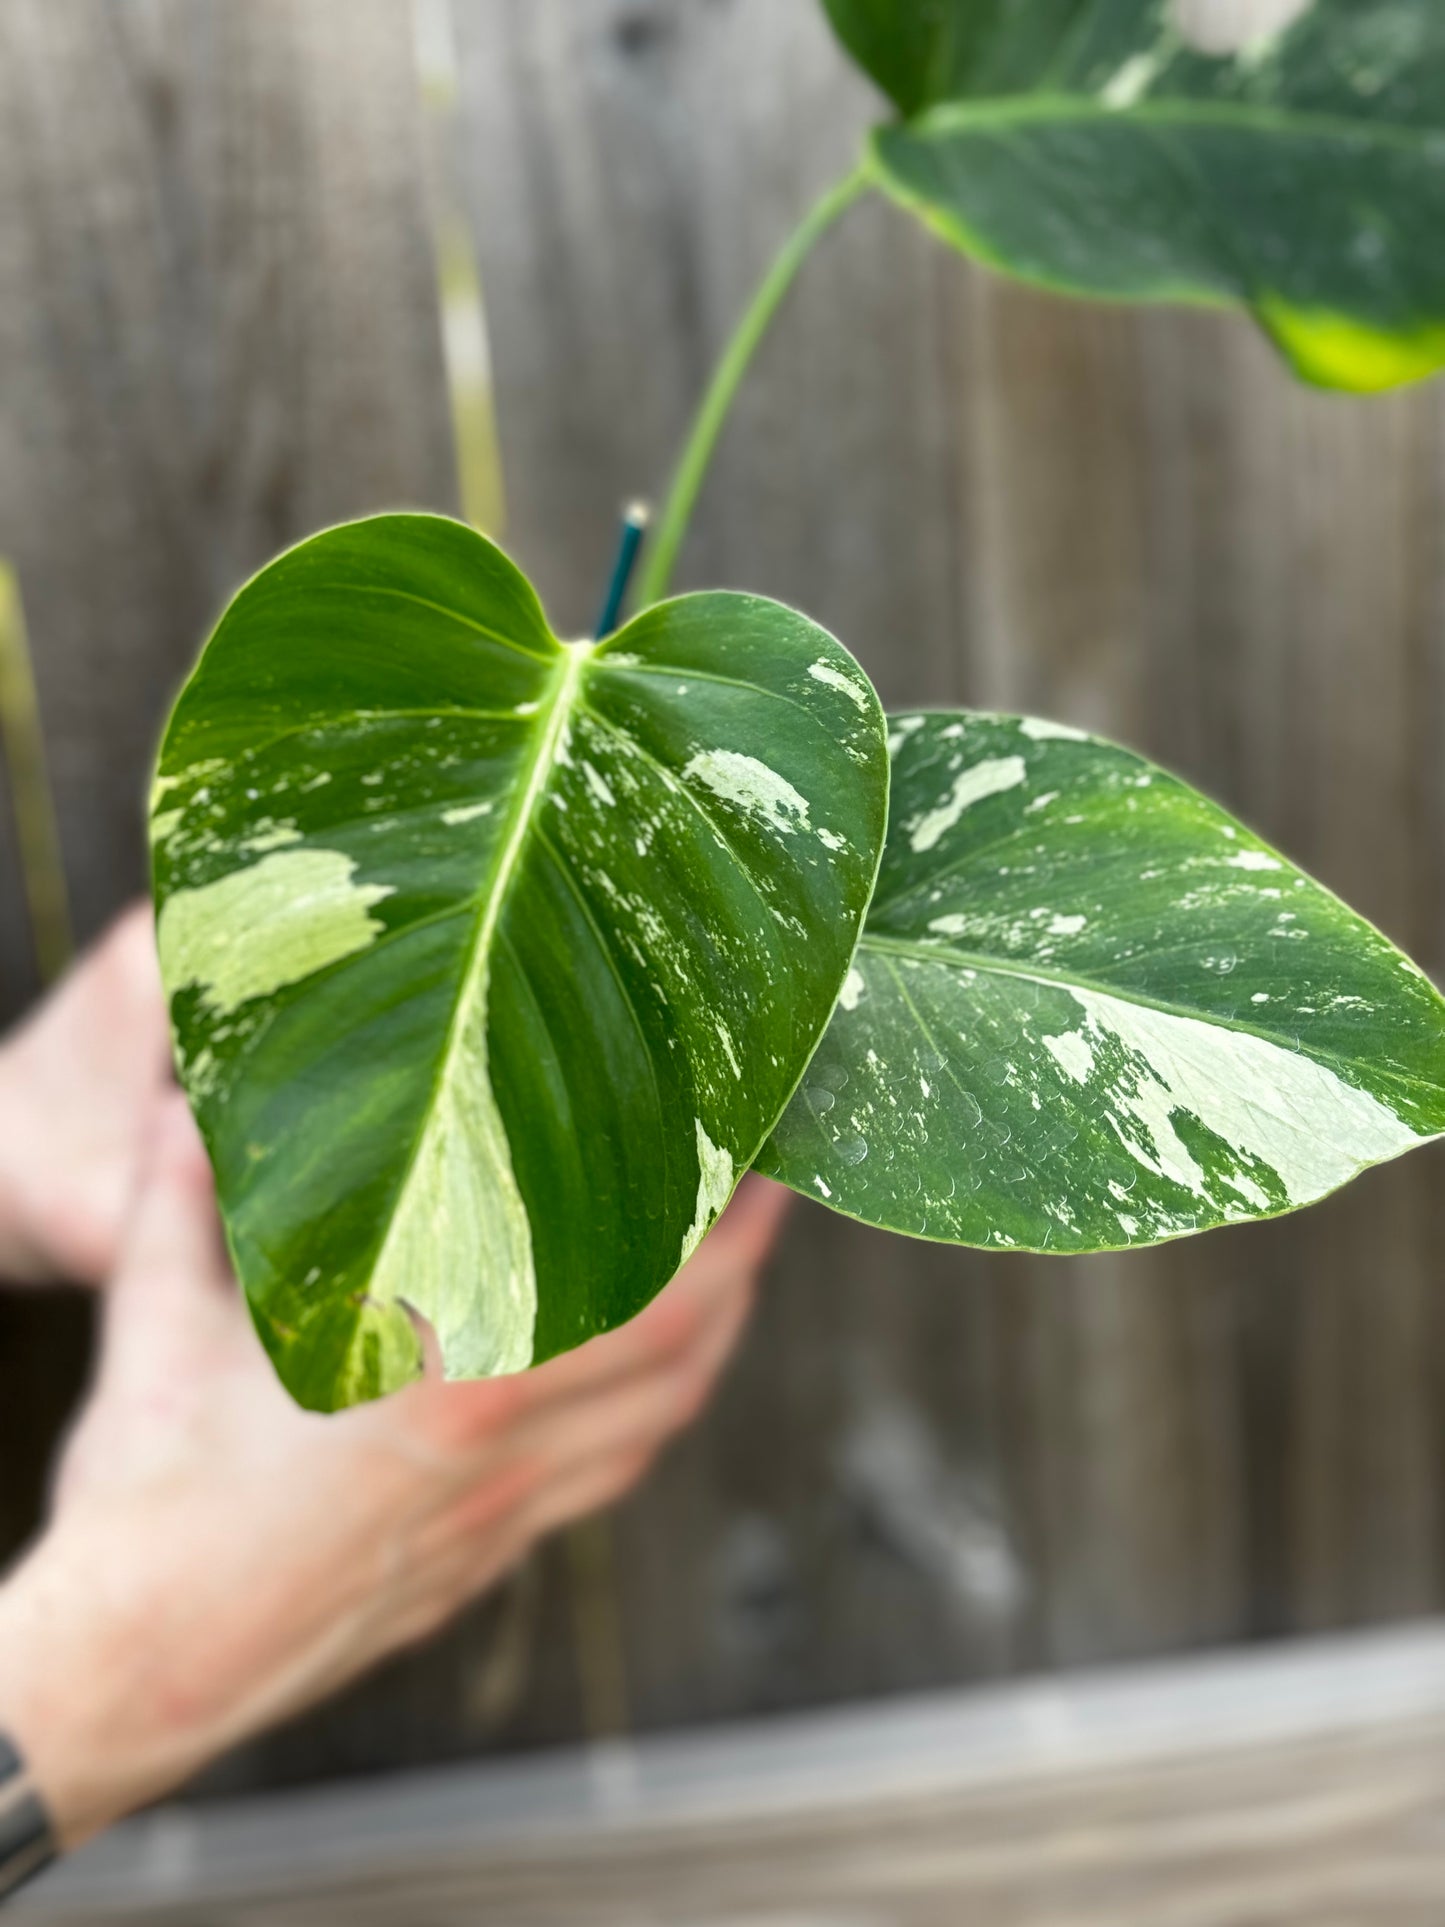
(219, 330)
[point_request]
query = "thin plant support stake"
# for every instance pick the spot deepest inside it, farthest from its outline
(629, 547)
(37, 833)
(465, 347)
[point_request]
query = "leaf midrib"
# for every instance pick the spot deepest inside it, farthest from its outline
(491, 901)
(964, 116)
(482, 629)
(981, 963)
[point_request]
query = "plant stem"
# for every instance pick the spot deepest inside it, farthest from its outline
(722, 390)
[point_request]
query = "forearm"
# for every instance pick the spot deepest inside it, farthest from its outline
(219, 1559)
(83, 1694)
(55, 1679)
(150, 1631)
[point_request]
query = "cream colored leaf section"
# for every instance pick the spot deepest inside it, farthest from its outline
(970, 786)
(1149, 1067)
(824, 672)
(459, 1245)
(751, 786)
(714, 1187)
(1246, 27)
(384, 1351)
(253, 932)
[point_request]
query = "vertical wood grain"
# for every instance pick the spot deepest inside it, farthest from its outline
(1134, 521)
(218, 330)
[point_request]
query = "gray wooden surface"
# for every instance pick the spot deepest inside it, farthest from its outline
(1298, 1787)
(217, 331)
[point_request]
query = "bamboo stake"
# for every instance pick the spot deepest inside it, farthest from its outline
(42, 864)
(465, 347)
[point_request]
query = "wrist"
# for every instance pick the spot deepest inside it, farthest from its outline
(46, 1707)
(27, 1837)
(78, 1695)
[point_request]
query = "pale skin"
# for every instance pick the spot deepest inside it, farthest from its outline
(77, 1079)
(217, 1559)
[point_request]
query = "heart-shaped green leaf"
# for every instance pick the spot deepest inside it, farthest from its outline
(1088, 146)
(1090, 1010)
(492, 960)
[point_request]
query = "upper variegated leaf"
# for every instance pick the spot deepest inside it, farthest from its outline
(493, 959)
(1110, 147)
(1090, 1010)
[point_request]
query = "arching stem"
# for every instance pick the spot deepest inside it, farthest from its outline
(692, 470)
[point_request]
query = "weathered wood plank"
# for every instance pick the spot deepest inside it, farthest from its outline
(1287, 1788)
(218, 330)
(932, 1465)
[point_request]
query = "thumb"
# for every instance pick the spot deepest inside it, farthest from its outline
(173, 1279)
(173, 1225)
(171, 1313)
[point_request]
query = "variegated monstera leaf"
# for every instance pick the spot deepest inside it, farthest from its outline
(492, 959)
(1090, 1010)
(1145, 150)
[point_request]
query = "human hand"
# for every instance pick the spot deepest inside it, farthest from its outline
(77, 1083)
(219, 1559)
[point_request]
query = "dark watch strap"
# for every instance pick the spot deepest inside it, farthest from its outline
(27, 1841)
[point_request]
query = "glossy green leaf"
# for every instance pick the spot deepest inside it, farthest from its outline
(921, 52)
(492, 960)
(1090, 1010)
(1089, 146)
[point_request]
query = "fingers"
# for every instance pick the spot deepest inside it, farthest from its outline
(540, 1420)
(461, 1568)
(114, 995)
(128, 948)
(123, 972)
(434, 1420)
(558, 1448)
(575, 1458)
(173, 1302)
(589, 1488)
(176, 1338)
(475, 1422)
(173, 1227)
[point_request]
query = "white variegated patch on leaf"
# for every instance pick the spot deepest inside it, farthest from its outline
(1090, 1010)
(492, 959)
